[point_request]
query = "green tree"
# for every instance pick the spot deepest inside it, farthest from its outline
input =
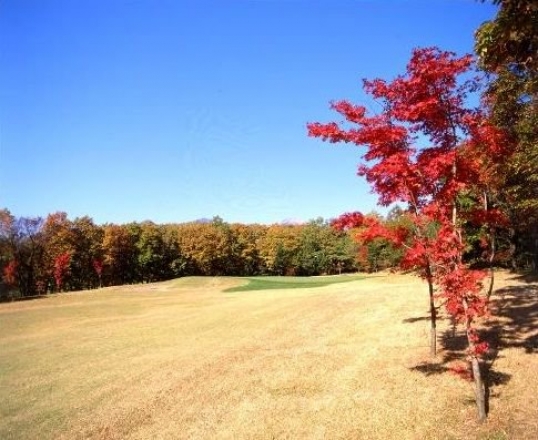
(152, 253)
(178, 264)
(323, 250)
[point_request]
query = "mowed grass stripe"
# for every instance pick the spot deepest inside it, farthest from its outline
(274, 282)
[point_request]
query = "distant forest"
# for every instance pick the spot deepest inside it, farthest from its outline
(52, 254)
(39, 256)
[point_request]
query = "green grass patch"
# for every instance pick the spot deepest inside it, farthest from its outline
(272, 282)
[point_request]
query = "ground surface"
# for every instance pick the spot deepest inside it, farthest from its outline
(186, 360)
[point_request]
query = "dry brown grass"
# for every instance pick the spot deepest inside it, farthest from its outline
(183, 360)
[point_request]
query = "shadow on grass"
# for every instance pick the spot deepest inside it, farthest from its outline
(8, 299)
(531, 277)
(515, 324)
(516, 313)
(417, 319)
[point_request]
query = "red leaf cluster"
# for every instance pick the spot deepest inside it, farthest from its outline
(492, 217)
(463, 371)
(347, 221)
(10, 273)
(61, 266)
(396, 235)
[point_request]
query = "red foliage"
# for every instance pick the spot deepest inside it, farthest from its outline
(424, 150)
(349, 220)
(61, 266)
(479, 349)
(492, 217)
(462, 371)
(98, 267)
(10, 273)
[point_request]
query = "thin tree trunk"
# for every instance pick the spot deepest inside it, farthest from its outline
(512, 248)
(491, 268)
(480, 388)
(433, 312)
(491, 281)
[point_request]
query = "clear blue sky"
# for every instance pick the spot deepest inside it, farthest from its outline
(176, 110)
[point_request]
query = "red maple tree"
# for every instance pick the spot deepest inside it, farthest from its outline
(427, 150)
(61, 267)
(10, 273)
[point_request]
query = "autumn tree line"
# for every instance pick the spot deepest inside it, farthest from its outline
(45, 255)
(55, 253)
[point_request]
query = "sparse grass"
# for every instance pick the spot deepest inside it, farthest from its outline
(185, 360)
(271, 282)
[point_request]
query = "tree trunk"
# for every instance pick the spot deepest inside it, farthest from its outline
(491, 267)
(480, 389)
(512, 248)
(433, 340)
(491, 282)
(433, 313)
